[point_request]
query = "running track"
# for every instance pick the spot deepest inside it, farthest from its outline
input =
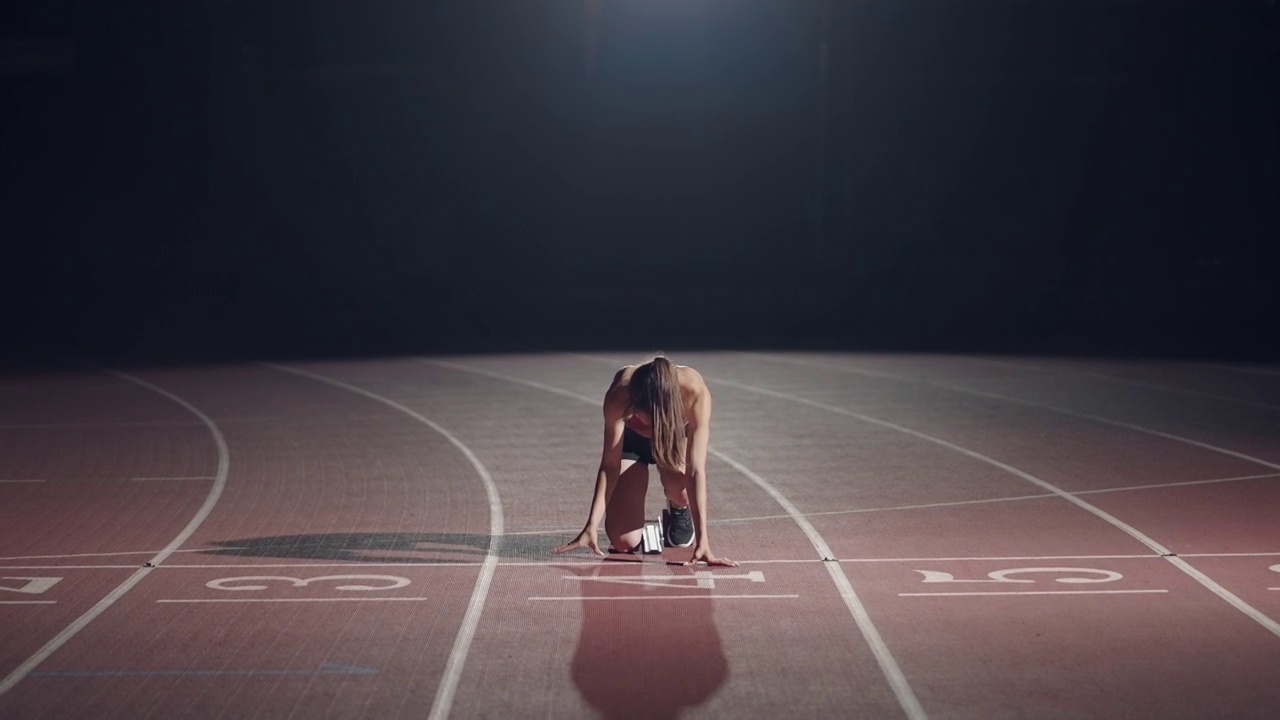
(920, 536)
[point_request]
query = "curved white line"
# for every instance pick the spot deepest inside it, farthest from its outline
(475, 606)
(1212, 585)
(1124, 381)
(888, 665)
(1020, 401)
(215, 492)
(1248, 370)
(1127, 529)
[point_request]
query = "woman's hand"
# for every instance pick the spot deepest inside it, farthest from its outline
(703, 553)
(586, 539)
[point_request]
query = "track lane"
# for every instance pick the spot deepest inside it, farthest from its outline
(901, 409)
(308, 487)
(214, 492)
(488, 426)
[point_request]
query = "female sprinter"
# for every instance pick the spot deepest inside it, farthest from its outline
(659, 414)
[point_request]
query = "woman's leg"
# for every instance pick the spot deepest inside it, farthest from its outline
(679, 528)
(624, 515)
(676, 486)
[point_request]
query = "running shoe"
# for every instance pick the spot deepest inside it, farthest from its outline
(677, 526)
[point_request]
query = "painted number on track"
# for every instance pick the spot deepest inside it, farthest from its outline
(1066, 575)
(369, 583)
(702, 579)
(32, 586)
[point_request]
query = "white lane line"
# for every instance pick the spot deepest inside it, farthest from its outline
(879, 649)
(673, 597)
(65, 426)
(986, 501)
(1125, 381)
(892, 508)
(1033, 592)
(586, 560)
(20, 480)
(1019, 401)
(294, 600)
(999, 558)
(155, 479)
(215, 492)
(475, 606)
(85, 555)
(1212, 585)
(1127, 529)
(1248, 370)
(1183, 483)
(68, 567)
(897, 679)
(426, 564)
(1229, 555)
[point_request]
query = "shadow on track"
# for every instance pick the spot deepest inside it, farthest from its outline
(649, 658)
(388, 547)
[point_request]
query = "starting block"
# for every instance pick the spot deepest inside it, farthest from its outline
(651, 541)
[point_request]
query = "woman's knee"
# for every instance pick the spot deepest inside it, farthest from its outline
(675, 486)
(624, 540)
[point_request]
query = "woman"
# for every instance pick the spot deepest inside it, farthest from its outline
(659, 414)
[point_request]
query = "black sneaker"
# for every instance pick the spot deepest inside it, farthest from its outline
(677, 527)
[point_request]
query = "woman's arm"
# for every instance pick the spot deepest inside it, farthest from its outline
(696, 461)
(610, 467)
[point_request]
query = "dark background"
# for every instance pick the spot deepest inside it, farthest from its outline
(233, 179)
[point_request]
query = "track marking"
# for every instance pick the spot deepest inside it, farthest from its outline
(1182, 483)
(1053, 489)
(1019, 401)
(22, 481)
(108, 554)
(67, 426)
(156, 479)
(1125, 381)
(1212, 585)
(325, 669)
(215, 492)
(567, 562)
(295, 600)
(672, 597)
(888, 665)
(1031, 592)
(1014, 498)
(443, 701)
(68, 567)
(1227, 555)
(1249, 370)
(28, 602)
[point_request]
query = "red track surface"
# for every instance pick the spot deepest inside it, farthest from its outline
(1018, 538)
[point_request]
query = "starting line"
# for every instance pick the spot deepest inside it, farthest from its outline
(1032, 592)
(706, 596)
(657, 586)
(325, 669)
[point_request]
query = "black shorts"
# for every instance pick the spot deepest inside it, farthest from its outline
(636, 447)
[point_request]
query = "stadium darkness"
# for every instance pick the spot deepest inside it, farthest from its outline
(252, 179)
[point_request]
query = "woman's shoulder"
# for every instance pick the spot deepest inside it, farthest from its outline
(622, 378)
(691, 381)
(618, 392)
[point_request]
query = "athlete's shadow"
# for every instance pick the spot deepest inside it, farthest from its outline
(640, 656)
(387, 547)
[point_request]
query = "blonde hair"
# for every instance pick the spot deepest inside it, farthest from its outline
(655, 387)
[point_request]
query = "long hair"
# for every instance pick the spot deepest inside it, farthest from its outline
(655, 387)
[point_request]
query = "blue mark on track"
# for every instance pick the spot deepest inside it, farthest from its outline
(330, 668)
